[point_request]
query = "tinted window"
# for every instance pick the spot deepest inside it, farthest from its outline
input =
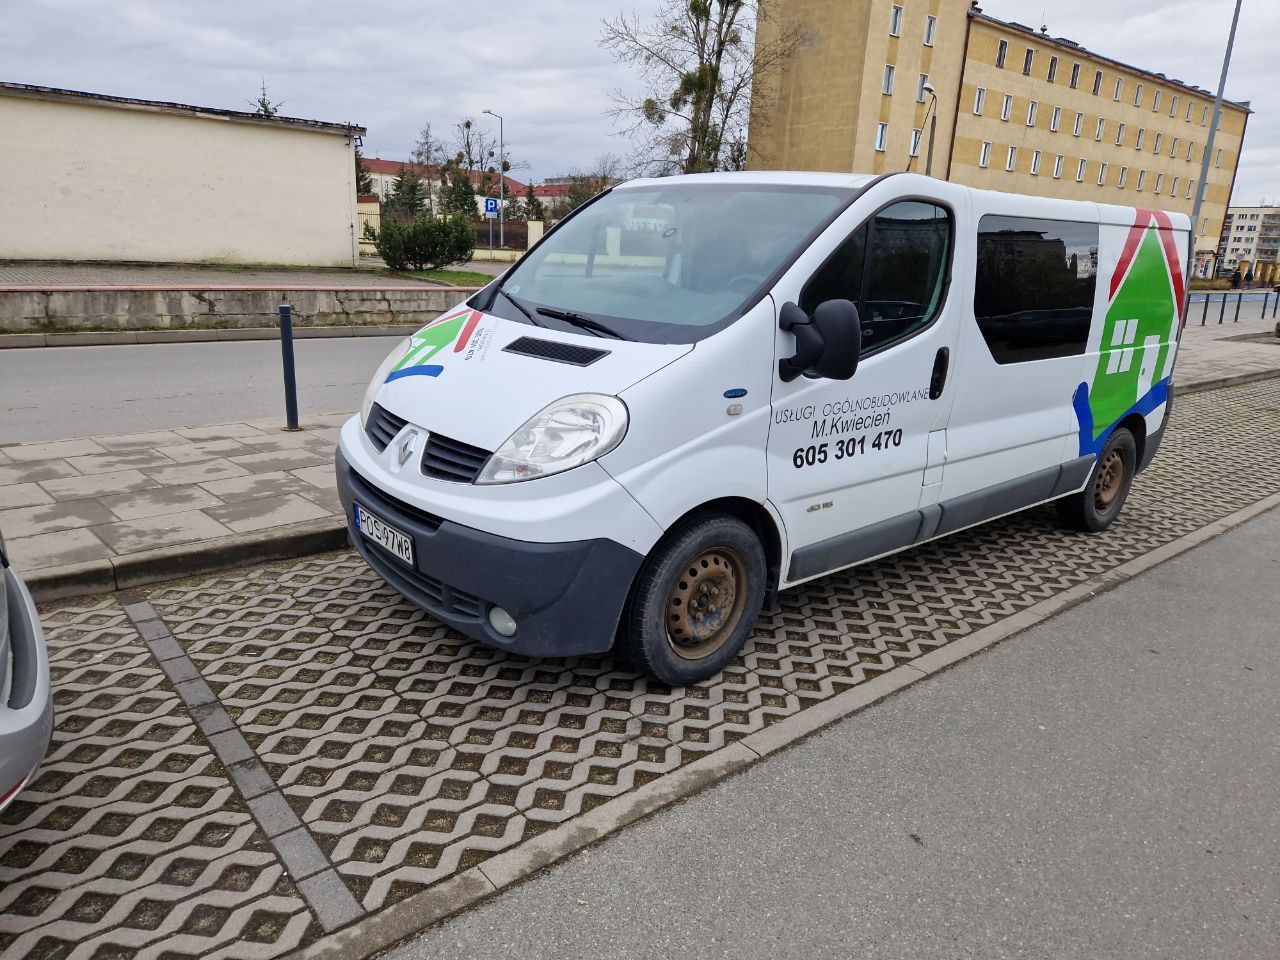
(1034, 294)
(894, 267)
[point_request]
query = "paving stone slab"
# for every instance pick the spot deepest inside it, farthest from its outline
(56, 549)
(159, 502)
(140, 441)
(120, 460)
(192, 473)
(35, 471)
(146, 533)
(98, 485)
(57, 450)
(250, 515)
(222, 431)
(276, 483)
(52, 517)
(196, 451)
(279, 460)
(22, 495)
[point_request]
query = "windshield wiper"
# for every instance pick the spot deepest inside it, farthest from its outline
(578, 320)
(522, 308)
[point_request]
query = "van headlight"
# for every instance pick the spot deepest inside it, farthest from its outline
(565, 434)
(379, 378)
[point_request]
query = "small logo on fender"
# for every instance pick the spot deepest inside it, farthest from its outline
(405, 451)
(735, 393)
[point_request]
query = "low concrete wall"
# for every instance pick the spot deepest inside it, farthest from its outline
(56, 311)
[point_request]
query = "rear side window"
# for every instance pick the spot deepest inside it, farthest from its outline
(894, 267)
(1034, 294)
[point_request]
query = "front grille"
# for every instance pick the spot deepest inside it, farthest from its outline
(382, 426)
(555, 350)
(370, 496)
(447, 459)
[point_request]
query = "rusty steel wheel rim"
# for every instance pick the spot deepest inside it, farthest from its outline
(1110, 481)
(706, 603)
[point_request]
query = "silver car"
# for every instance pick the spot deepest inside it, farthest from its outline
(26, 706)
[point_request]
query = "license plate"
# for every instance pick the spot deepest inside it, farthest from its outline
(384, 535)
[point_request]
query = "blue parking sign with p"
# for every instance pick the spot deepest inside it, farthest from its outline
(491, 206)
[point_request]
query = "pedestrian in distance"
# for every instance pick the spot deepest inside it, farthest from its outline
(1248, 279)
(1235, 280)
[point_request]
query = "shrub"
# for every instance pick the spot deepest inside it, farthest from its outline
(425, 242)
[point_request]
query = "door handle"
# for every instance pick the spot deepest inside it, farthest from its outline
(939, 379)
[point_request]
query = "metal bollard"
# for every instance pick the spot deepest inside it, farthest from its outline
(1204, 314)
(1222, 311)
(1239, 297)
(1266, 298)
(290, 380)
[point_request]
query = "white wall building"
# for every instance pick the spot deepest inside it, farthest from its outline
(94, 177)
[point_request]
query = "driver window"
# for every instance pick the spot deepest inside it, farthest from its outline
(894, 268)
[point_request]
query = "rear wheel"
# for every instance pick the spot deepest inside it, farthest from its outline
(696, 599)
(1096, 506)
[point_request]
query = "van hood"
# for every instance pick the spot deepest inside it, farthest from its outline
(460, 376)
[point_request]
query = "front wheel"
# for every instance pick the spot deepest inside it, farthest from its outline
(1096, 506)
(696, 599)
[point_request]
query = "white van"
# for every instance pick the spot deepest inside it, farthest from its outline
(698, 391)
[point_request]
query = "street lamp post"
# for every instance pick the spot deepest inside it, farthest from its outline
(502, 183)
(933, 128)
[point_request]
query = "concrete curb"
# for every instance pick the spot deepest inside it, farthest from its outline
(1220, 382)
(463, 891)
(172, 563)
(108, 338)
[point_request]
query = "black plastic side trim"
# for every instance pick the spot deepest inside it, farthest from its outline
(1154, 439)
(855, 546)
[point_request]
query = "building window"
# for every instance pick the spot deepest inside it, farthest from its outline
(1218, 161)
(1032, 108)
(1027, 62)
(1204, 116)
(1159, 137)
(1173, 187)
(1102, 174)
(985, 156)
(1124, 177)
(930, 29)
(1120, 135)
(1159, 182)
(1137, 95)
(895, 21)
(1057, 167)
(1173, 150)
(887, 88)
(1053, 69)
(1080, 168)
(1204, 225)
(1119, 87)
(924, 79)
(979, 101)
(1097, 82)
(1006, 107)
(1035, 287)
(1155, 101)
(1173, 106)
(1191, 188)
(1142, 179)
(1079, 123)
(1191, 149)
(915, 143)
(1055, 118)
(1142, 133)
(882, 134)
(1101, 129)
(1011, 160)
(1002, 53)
(1035, 163)
(1190, 107)
(1075, 75)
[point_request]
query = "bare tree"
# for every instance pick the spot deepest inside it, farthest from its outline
(698, 61)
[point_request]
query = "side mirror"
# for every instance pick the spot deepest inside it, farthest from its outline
(827, 344)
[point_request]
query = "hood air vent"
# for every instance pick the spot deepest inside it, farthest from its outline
(569, 353)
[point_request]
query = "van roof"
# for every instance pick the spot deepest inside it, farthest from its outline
(785, 178)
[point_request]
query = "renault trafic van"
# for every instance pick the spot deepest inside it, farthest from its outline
(697, 391)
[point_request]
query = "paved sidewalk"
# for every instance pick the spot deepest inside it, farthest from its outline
(123, 275)
(108, 512)
(117, 511)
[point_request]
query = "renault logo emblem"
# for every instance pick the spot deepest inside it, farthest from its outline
(405, 451)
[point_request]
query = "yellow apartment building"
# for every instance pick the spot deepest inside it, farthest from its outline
(1017, 110)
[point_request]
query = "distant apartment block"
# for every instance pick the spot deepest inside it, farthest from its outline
(1251, 241)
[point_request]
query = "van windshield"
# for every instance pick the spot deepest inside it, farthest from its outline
(665, 264)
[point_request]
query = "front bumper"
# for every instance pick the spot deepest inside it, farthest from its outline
(26, 717)
(566, 598)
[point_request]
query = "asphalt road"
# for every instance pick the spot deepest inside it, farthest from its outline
(61, 392)
(1106, 785)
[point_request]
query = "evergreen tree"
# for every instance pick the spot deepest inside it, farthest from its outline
(457, 193)
(533, 208)
(263, 106)
(410, 192)
(364, 182)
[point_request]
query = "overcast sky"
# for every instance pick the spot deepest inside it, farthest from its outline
(394, 64)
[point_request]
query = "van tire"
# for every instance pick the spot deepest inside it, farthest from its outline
(712, 564)
(1096, 506)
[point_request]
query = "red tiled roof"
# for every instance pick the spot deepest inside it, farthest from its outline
(552, 190)
(392, 168)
